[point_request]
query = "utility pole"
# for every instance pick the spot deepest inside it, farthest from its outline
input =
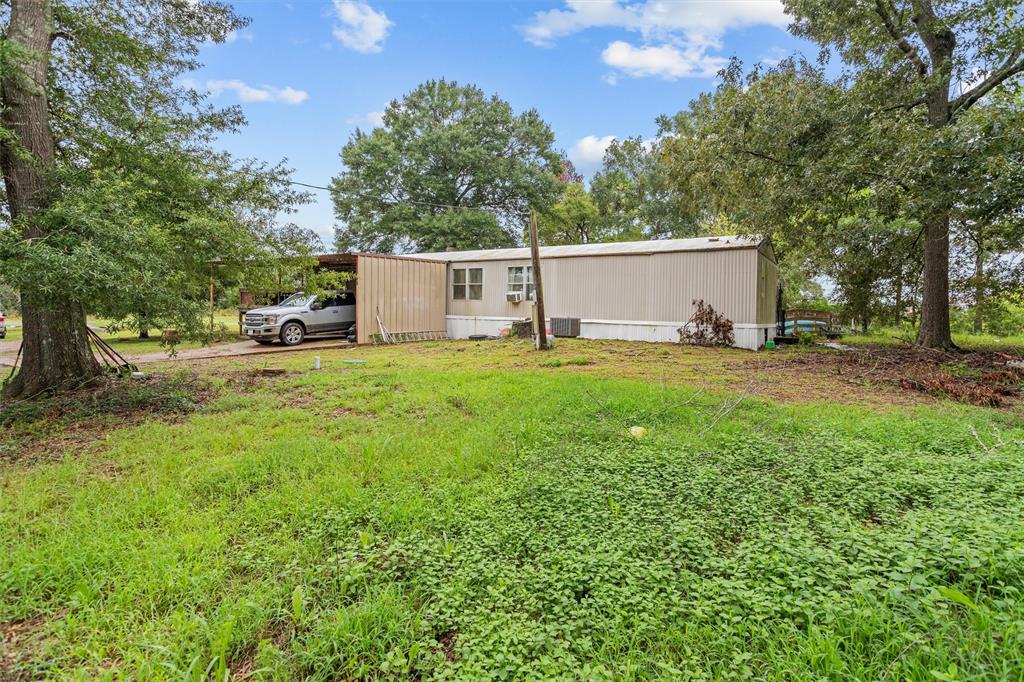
(542, 334)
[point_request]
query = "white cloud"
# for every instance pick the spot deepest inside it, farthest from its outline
(676, 36)
(580, 15)
(588, 153)
(374, 119)
(234, 36)
(248, 93)
(773, 56)
(655, 19)
(362, 28)
(664, 61)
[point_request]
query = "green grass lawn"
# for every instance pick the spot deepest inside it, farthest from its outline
(476, 511)
(900, 337)
(128, 342)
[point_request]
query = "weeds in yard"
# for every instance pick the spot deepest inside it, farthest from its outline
(470, 531)
(31, 426)
(577, 361)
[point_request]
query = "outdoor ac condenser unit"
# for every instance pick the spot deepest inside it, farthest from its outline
(514, 296)
(565, 326)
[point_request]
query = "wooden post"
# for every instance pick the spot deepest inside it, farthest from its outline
(542, 334)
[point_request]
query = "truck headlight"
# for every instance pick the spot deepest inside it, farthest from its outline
(270, 319)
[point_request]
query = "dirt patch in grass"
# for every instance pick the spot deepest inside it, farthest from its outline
(244, 666)
(345, 411)
(447, 644)
(45, 428)
(19, 641)
(988, 379)
(301, 400)
(245, 380)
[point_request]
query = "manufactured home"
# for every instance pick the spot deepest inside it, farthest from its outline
(635, 291)
(638, 291)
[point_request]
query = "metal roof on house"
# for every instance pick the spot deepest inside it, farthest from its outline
(603, 249)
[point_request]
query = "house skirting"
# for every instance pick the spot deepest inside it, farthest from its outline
(749, 336)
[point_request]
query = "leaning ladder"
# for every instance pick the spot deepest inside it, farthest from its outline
(407, 337)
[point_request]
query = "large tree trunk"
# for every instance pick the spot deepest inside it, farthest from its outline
(56, 351)
(979, 287)
(934, 329)
(940, 43)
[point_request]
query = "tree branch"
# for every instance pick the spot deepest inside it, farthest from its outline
(852, 169)
(938, 39)
(766, 157)
(58, 35)
(1011, 67)
(901, 39)
(907, 106)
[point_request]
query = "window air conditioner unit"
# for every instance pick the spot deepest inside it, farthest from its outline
(514, 296)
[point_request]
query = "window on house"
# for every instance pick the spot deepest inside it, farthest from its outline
(476, 284)
(468, 283)
(520, 278)
(459, 284)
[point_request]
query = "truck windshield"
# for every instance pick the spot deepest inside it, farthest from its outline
(294, 299)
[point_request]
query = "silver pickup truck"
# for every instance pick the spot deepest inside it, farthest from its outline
(302, 316)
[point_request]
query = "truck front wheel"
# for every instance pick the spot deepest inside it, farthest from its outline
(292, 334)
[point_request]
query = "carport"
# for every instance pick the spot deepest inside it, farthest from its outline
(404, 296)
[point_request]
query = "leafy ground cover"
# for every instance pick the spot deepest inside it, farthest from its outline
(477, 511)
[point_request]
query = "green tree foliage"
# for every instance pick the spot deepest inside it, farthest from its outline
(575, 219)
(637, 196)
(786, 148)
(450, 167)
(866, 264)
(115, 201)
(988, 223)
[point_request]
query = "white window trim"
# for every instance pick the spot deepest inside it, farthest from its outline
(526, 285)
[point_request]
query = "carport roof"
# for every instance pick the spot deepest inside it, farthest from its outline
(603, 249)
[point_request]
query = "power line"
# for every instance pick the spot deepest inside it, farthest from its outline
(406, 201)
(304, 184)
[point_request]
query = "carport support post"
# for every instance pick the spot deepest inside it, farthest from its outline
(542, 334)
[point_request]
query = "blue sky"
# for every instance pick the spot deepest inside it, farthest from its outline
(307, 73)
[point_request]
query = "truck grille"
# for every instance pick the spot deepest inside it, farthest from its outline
(253, 320)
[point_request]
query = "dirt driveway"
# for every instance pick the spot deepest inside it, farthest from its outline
(9, 351)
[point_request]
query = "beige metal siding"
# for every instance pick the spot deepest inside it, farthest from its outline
(493, 303)
(723, 279)
(651, 287)
(408, 293)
